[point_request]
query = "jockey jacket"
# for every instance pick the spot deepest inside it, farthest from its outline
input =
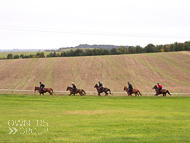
(42, 85)
(159, 86)
(74, 87)
(100, 84)
(130, 86)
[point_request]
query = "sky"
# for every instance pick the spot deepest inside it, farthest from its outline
(51, 24)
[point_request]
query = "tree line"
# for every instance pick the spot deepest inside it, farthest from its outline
(150, 48)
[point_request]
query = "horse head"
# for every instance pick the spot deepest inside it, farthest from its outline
(125, 88)
(36, 88)
(96, 86)
(68, 88)
(155, 87)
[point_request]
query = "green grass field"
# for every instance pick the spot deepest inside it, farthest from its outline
(94, 119)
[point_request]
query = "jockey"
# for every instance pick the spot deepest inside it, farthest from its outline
(74, 87)
(159, 87)
(130, 88)
(100, 86)
(42, 86)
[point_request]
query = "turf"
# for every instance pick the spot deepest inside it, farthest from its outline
(95, 119)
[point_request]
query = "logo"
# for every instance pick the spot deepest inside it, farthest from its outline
(27, 126)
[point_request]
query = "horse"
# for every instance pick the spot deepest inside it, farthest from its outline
(80, 91)
(163, 91)
(135, 91)
(49, 90)
(105, 90)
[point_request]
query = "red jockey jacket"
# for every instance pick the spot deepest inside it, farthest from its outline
(159, 86)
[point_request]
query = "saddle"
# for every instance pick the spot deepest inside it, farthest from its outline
(159, 91)
(42, 89)
(100, 89)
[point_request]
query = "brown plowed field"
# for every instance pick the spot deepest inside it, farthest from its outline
(143, 71)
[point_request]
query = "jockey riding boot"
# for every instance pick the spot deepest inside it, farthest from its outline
(100, 90)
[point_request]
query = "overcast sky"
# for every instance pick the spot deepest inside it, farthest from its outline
(51, 24)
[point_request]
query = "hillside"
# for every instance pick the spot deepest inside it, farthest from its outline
(86, 46)
(143, 71)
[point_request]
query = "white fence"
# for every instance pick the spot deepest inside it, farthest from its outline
(12, 91)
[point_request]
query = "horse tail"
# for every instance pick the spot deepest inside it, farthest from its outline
(167, 91)
(84, 91)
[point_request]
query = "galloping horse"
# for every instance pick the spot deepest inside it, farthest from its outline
(80, 91)
(135, 91)
(163, 91)
(49, 90)
(103, 90)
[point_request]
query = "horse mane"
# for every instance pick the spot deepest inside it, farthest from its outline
(69, 87)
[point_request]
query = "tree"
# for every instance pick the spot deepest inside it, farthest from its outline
(78, 52)
(122, 50)
(113, 51)
(31, 56)
(41, 55)
(162, 50)
(167, 48)
(138, 49)
(105, 52)
(131, 50)
(149, 48)
(63, 54)
(172, 47)
(96, 51)
(88, 52)
(187, 46)
(16, 56)
(181, 46)
(159, 48)
(175, 46)
(9, 56)
(21, 56)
